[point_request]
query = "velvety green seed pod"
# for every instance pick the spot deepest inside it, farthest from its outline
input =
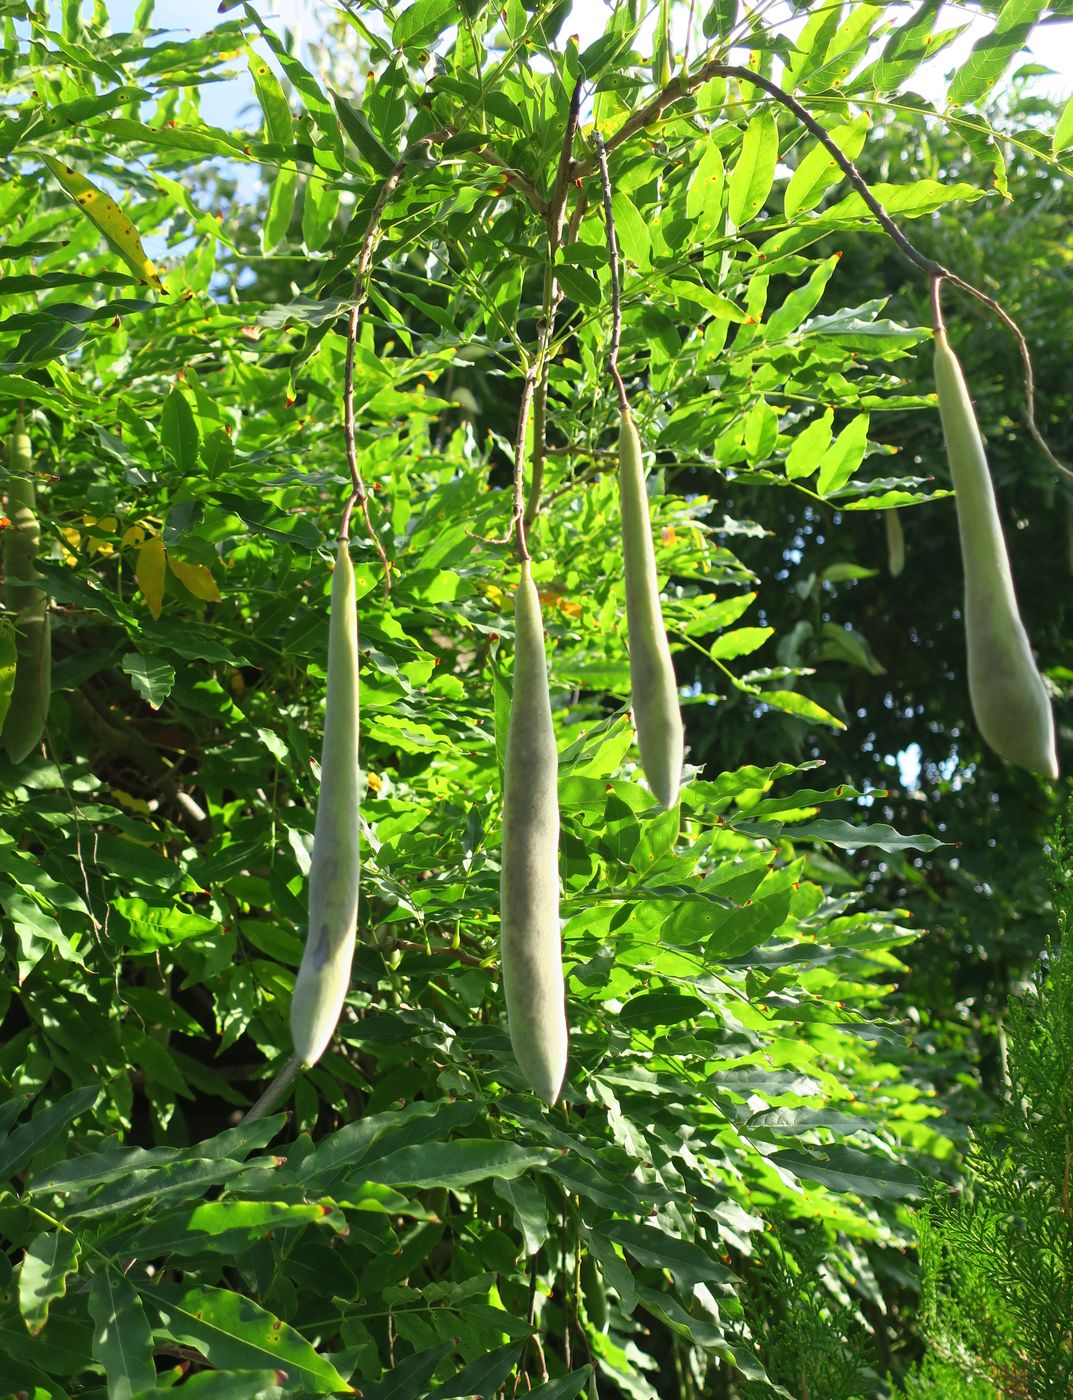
(654, 689)
(24, 722)
(324, 976)
(661, 52)
(530, 939)
(1009, 700)
(895, 543)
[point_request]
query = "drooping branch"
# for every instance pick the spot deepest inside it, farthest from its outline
(684, 84)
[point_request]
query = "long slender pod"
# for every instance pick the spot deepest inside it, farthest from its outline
(895, 543)
(1009, 700)
(324, 976)
(653, 687)
(530, 940)
(25, 719)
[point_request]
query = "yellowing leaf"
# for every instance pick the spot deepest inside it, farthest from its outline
(132, 804)
(374, 781)
(550, 598)
(196, 578)
(149, 571)
(133, 534)
(494, 594)
(74, 540)
(102, 210)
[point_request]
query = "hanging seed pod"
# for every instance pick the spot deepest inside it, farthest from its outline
(654, 689)
(24, 722)
(895, 543)
(1009, 700)
(530, 940)
(324, 976)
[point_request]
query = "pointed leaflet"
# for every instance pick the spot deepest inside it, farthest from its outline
(232, 1331)
(1063, 132)
(844, 456)
(222, 1385)
(991, 54)
(151, 677)
(103, 211)
(529, 1207)
(841, 1168)
(563, 1387)
(149, 571)
(817, 169)
(48, 1262)
(179, 432)
(196, 579)
(454, 1164)
(754, 173)
(42, 1129)
(480, 1377)
(808, 448)
(410, 1378)
(122, 1338)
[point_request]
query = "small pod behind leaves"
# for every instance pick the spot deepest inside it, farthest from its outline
(654, 689)
(895, 543)
(530, 939)
(1009, 700)
(24, 722)
(324, 976)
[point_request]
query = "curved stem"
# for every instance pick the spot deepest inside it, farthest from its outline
(555, 216)
(358, 297)
(528, 386)
(275, 1090)
(616, 290)
(937, 304)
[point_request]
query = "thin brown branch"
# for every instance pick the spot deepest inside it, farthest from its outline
(1026, 364)
(564, 1275)
(684, 84)
(573, 449)
(589, 474)
(491, 156)
(125, 742)
(410, 947)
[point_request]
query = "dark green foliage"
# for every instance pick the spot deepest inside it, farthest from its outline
(997, 1250)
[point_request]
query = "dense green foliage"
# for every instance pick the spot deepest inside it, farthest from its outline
(997, 1252)
(717, 1206)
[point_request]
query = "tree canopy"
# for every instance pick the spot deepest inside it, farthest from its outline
(389, 282)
